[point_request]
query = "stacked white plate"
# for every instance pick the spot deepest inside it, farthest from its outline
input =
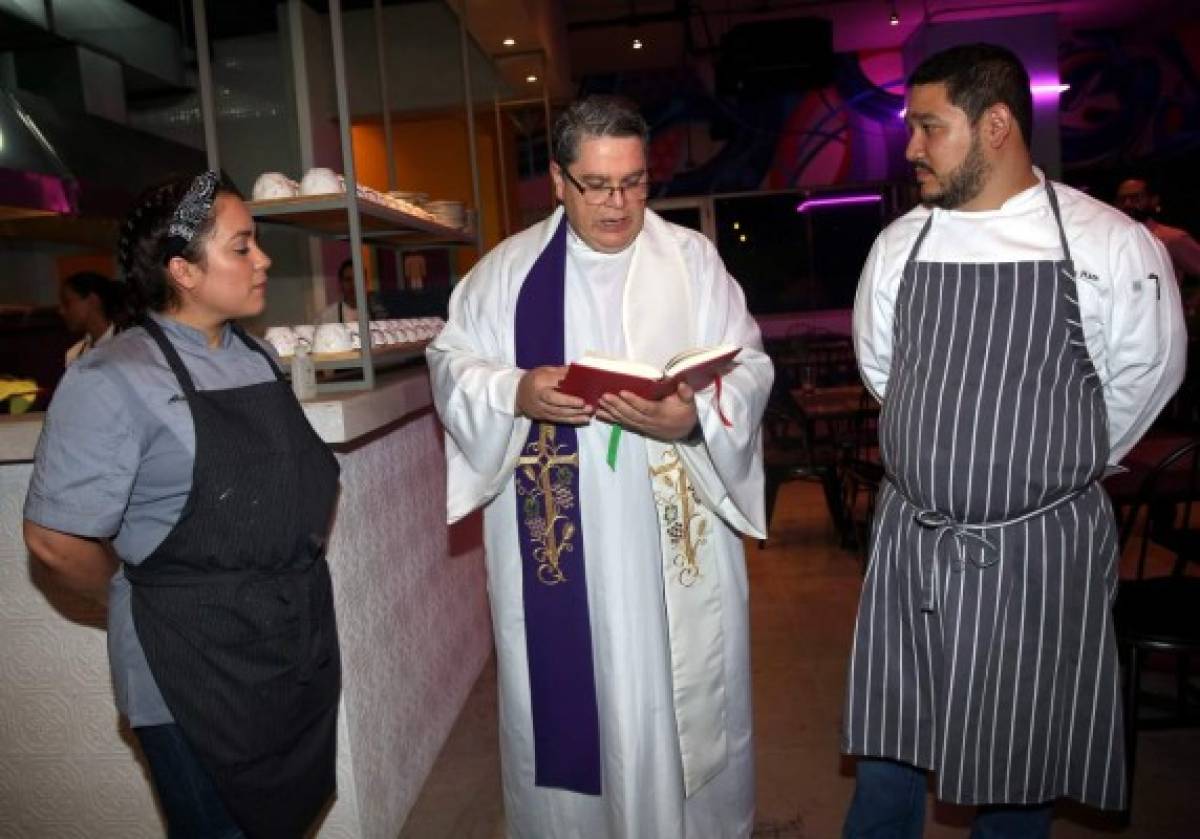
(417, 199)
(448, 213)
(338, 337)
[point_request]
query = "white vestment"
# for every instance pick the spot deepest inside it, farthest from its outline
(475, 382)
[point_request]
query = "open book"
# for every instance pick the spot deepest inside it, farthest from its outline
(593, 375)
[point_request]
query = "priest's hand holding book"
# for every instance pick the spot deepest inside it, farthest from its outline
(667, 419)
(639, 397)
(539, 398)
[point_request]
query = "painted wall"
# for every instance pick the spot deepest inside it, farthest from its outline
(1133, 98)
(431, 156)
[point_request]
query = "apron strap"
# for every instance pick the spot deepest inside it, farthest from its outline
(254, 345)
(171, 354)
(1062, 233)
(912, 254)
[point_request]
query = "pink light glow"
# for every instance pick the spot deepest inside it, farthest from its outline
(1040, 90)
(840, 200)
(1048, 88)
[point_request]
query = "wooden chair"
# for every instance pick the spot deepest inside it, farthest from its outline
(1161, 615)
(861, 474)
(789, 455)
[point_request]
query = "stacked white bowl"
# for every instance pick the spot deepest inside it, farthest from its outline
(340, 337)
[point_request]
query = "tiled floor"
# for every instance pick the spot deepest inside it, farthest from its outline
(803, 595)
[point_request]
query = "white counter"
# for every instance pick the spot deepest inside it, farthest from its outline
(412, 617)
(338, 418)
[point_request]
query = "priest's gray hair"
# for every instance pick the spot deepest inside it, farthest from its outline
(598, 115)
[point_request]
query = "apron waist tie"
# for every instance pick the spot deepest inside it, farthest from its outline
(964, 535)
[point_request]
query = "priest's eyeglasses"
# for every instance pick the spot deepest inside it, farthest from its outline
(635, 188)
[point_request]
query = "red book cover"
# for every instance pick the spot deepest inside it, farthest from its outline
(591, 376)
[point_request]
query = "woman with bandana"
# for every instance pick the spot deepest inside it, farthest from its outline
(178, 480)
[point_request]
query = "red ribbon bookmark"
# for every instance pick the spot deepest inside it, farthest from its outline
(724, 420)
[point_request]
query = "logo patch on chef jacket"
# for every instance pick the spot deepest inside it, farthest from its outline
(1088, 275)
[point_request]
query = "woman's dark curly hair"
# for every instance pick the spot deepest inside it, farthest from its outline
(142, 253)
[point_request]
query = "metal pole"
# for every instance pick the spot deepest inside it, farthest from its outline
(466, 71)
(384, 102)
(546, 112)
(208, 112)
(343, 107)
(304, 129)
(500, 154)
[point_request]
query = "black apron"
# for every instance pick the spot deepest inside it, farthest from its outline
(235, 608)
(984, 648)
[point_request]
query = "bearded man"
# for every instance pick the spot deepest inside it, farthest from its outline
(1021, 337)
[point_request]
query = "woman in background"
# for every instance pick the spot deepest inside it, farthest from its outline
(178, 477)
(93, 305)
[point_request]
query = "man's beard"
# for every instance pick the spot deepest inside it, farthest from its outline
(964, 183)
(1142, 214)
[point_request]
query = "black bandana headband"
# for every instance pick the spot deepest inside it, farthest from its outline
(191, 213)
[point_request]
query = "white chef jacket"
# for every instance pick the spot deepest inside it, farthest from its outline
(1128, 298)
(86, 343)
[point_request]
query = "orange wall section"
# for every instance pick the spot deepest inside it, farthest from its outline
(102, 262)
(431, 156)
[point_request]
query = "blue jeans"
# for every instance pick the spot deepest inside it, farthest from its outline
(889, 803)
(186, 791)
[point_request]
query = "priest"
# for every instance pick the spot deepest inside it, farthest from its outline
(613, 531)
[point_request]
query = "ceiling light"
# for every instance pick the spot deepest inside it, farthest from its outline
(531, 78)
(737, 225)
(509, 42)
(742, 237)
(894, 20)
(637, 43)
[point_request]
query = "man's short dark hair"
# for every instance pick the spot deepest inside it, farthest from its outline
(1151, 182)
(977, 76)
(598, 115)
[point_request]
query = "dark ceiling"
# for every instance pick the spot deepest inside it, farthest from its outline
(238, 18)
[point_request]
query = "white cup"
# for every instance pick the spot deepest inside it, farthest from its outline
(304, 334)
(282, 338)
(332, 337)
(320, 181)
(273, 185)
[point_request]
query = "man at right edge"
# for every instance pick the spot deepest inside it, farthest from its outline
(1021, 337)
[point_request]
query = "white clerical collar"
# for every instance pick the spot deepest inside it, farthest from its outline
(581, 248)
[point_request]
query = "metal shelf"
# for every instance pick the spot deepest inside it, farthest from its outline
(347, 216)
(329, 216)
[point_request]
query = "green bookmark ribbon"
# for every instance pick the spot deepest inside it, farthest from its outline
(614, 441)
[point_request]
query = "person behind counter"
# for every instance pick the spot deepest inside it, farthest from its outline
(346, 309)
(177, 472)
(93, 305)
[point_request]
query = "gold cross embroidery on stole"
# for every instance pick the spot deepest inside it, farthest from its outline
(547, 496)
(683, 521)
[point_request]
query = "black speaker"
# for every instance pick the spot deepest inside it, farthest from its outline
(770, 57)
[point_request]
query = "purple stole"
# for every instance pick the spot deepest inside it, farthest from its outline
(558, 637)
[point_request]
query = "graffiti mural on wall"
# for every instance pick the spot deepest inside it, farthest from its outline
(1130, 99)
(701, 144)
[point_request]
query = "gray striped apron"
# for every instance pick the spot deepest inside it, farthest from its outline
(984, 646)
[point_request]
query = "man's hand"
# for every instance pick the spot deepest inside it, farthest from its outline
(539, 399)
(669, 419)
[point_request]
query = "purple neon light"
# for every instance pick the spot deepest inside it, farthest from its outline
(1049, 88)
(1039, 89)
(812, 203)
